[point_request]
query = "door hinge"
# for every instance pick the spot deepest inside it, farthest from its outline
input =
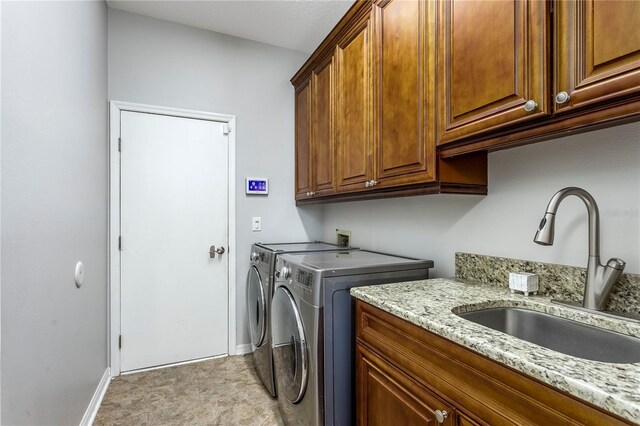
(120, 341)
(226, 129)
(119, 144)
(119, 243)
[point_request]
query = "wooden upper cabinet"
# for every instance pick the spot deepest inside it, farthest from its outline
(405, 91)
(366, 105)
(303, 140)
(322, 141)
(354, 107)
(597, 51)
(493, 58)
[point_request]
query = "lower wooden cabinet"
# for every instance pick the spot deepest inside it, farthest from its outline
(389, 397)
(406, 375)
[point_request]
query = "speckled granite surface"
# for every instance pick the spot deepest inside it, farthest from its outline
(556, 281)
(429, 304)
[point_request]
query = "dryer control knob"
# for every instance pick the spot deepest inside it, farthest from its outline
(254, 256)
(285, 272)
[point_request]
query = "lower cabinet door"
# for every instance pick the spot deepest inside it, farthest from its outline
(386, 397)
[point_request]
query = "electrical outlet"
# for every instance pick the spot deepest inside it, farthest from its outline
(343, 238)
(256, 224)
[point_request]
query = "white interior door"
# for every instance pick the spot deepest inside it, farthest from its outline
(174, 199)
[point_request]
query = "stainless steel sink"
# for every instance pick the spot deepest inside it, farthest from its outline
(559, 334)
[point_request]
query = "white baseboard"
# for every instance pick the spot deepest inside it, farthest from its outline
(243, 349)
(94, 405)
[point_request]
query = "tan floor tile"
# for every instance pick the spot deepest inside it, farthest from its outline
(224, 391)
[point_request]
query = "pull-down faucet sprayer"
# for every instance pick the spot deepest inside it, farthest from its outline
(600, 278)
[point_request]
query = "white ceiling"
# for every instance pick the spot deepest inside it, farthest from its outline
(294, 24)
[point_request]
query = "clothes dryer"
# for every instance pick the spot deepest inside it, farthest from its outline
(313, 328)
(259, 290)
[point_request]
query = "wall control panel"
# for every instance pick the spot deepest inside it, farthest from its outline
(257, 186)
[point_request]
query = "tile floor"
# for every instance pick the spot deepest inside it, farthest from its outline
(223, 391)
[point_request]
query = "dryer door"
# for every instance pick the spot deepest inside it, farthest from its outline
(256, 307)
(290, 355)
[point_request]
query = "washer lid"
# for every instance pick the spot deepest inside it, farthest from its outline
(290, 356)
(256, 307)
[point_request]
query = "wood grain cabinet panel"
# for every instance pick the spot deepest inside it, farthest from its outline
(354, 107)
(322, 129)
(493, 57)
(597, 52)
(387, 397)
(404, 88)
(372, 127)
(303, 140)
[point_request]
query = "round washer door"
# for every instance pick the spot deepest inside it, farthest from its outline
(289, 345)
(256, 304)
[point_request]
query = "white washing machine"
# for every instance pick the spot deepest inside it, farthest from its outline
(259, 292)
(313, 331)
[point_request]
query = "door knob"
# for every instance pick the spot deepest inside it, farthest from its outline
(213, 250)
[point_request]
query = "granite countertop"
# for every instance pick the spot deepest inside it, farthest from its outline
(431, 304)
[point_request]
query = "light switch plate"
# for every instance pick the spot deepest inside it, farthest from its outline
(256, 224)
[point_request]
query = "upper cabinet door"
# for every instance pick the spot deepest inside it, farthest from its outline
(597, 51)
(493, 59)
(405, 34)
(323, 169)
(303, 142)
(354, 107)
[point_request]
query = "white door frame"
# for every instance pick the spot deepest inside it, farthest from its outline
(113, 308)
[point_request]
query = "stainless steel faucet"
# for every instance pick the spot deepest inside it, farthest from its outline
(600, 278)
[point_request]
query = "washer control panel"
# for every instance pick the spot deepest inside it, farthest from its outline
(304, 277)
(300, 280)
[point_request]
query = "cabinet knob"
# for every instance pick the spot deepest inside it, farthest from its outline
(367, 184)
(530, 105)
(562, 98)
(312, 193)
(374, 182)
(441, 415)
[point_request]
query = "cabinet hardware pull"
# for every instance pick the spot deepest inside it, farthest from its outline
(367, 184)
(562, 98)
(530, 105)
(441, 415)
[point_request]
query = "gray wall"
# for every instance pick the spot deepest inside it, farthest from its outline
(161, 63)
(54, 209)
(521, 181)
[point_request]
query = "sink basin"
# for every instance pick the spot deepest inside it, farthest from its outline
(559, 334)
